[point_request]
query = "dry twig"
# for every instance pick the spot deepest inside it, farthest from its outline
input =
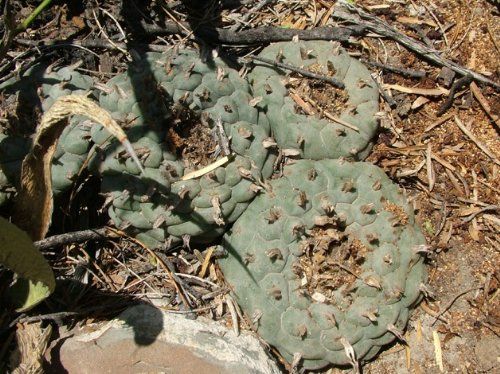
(476, 141)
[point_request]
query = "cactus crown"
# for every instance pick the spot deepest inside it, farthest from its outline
(327, 255)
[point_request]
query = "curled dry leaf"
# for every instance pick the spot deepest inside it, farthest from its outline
(33, 206)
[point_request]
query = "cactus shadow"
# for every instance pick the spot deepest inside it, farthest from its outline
(142, 328)
(203, 17)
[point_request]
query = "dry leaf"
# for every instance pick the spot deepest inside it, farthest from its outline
(468, 211)
(474, 232)
(33, 205)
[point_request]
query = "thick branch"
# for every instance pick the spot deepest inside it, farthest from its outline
(260, 35)
(74, 237)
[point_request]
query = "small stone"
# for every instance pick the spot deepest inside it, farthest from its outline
(486, 350)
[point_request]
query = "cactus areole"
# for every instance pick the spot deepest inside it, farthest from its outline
(323, 252)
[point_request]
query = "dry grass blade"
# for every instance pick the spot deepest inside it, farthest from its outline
(207, 169)
(33, 206)
(476, 141)
(430, 171)
(440, 121)
(484, 103)
(438, 351)
(234, 316)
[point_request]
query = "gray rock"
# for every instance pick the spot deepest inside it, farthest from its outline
(147, 339)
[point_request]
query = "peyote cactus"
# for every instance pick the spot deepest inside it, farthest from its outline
(316, 138)
(326, 259)
(75, 141)
(196, 105)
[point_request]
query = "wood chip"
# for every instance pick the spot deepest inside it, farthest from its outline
(418, 91)
(378, 6)
(306, 107)
(416, 21)
(421, 100)
(206, 262)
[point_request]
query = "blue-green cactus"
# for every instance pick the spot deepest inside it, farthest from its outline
(327, 258)
(161, 206)
(44, 85)
(324, 261)
(316, 138)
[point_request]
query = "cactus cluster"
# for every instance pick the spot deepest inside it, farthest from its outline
(323, 255)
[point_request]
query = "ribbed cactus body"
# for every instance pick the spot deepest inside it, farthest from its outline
(316, 138)
(160, 206)
(44, 85)
(327, 257)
